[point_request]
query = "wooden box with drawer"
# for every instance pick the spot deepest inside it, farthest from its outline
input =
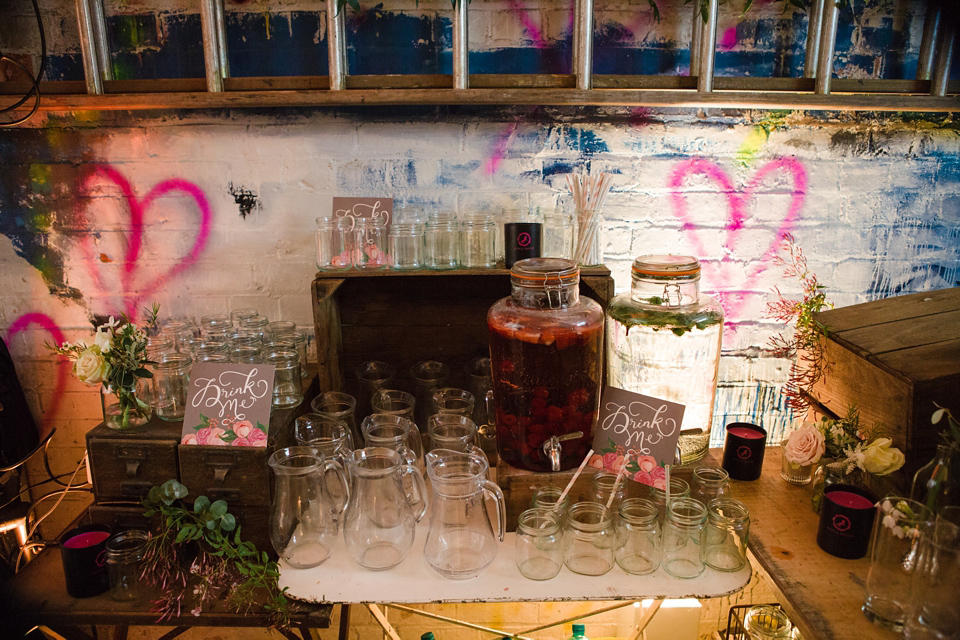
(894, 359)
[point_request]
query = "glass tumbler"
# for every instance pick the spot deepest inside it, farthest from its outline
(443, 240)
(124, 556)
(539, 544)
(334, 241)
(933, 613)
(682, 531)
(589, 539)
(339, 406)
(406, 243)
(478, 240)
(171, 379)
(287, 386)
(894, 549)
(710, 483)
(638, 536)
(724, 540)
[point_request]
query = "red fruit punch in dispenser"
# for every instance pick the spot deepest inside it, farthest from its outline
(545, 351)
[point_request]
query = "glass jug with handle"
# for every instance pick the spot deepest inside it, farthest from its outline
(461, 542)
(380, 520)
(303, 517)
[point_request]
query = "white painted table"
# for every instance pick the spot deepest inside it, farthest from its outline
(341, 580)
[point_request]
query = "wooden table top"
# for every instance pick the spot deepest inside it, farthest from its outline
(822, 594)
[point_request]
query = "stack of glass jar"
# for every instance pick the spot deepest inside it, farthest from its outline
(243, 336)
(438, 239)
(683, 535)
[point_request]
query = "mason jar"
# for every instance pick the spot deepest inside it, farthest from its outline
(171, 380)
(638, 536)
(443, 240)
(539, 544)
(682, 531)
(478, 240)
(710, 483)
(124, 558)
(287, 388)
(370, 243)
(406, 244)
(589, 539)
(548, 497)
(334, 243)
(603, 485)
(679, 488)
(724, 540)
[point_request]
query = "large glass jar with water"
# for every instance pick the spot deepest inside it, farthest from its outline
(663, 340)
(546, 346)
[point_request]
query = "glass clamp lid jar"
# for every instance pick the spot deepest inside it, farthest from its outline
(663, 340)
(545, 352)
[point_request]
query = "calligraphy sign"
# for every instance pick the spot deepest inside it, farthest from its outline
(353, 208)
(228, 404)
(636, 431)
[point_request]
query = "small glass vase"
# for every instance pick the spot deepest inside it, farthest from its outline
(798, 474)
(125, 407)
(828, 472)
(934, 485)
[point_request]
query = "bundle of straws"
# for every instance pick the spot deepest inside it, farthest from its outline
(588, 194)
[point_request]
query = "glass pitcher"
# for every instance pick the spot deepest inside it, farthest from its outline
(460, 542)
(380, 520)
(546, 350)
(303, 518)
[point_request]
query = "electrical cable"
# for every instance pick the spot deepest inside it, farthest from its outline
(38, 484)
(46, 464)
(63, 494)
(34, 81)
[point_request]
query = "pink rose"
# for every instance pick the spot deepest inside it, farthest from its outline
(658, 473)
(805, 445)
(257, 438)
(660, 483)
(216, 436)
(203, 435)
(612, 461)
(647, 463)
(242, 428)
(190, 438)
(241, 442)
(596, 461)
(643, 478)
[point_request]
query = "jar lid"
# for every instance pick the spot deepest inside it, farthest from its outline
(544, 272)
(666, 266)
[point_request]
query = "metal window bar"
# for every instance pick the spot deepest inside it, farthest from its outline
(336, 47)
(814, 29)
(583, 45)
(944, 59)
(696, 35)
(93, 44)
(214, 43)
(461, 53)
(828, 40)
(708, 49)
(931, 32)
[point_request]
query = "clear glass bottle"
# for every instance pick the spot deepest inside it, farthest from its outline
(589, 539)
(545, 350)
(724, 541)
(682, 531)
(539, 544)
(638, 536)
(710, 483)
(124, 556)
(443, 240)
(478, 240)
(663, 340)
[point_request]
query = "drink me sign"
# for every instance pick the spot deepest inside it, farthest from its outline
(228, 404)
(636, 431)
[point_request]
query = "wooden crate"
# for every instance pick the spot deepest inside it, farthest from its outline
(894, 359)
(402, 317)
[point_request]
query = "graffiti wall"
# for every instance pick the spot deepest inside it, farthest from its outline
(203, 212)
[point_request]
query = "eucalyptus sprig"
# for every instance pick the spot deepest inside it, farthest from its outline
(200, 545)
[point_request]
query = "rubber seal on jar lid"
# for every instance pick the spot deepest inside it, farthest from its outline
(544, 272)
(667, 266)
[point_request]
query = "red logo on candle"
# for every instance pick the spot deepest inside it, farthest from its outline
(524, 239)
(744, 453)
(841, 523)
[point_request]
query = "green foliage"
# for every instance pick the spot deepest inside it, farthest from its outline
(200, 545)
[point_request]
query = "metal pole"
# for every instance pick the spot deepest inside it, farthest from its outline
(461, 49)
(583, 53)
(221, 23)
(828, 39)
(696, 33)
(944, 59)
(212, 58)
(336, 46)
(89, 47)
(814, 28)
(931, 33)
(708, 47)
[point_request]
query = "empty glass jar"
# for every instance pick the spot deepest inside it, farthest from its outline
(287, 387)
(406, 243)
(724, 540)
(334, 240)
(539, 544)
(171, 380)
(478, 240)
(124, 556)
(606, 483)
(682, 531)
(710, 483)
(679, 488)
(638, 536)
(443, 240)
(589, 539)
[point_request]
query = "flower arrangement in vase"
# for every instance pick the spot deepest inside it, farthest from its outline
(115, 362)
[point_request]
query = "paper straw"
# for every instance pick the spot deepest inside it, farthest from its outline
(573, 479)
(616, 483)
(666, 469)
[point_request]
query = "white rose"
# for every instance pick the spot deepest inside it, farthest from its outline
(103, 338)
(805, 445)
(880, 459)
(90, 367)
